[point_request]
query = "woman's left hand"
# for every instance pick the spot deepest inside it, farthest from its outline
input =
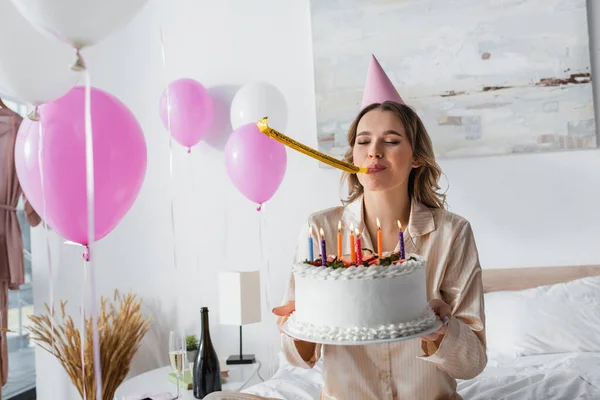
(443, 311)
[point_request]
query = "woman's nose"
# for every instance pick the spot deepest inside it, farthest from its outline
(374, 154)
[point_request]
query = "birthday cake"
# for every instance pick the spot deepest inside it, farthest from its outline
(378, 298)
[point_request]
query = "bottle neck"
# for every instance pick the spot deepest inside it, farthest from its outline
(205, 338)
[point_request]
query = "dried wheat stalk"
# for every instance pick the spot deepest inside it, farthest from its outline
(120, 330)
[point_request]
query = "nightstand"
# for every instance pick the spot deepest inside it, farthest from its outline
(156, 381)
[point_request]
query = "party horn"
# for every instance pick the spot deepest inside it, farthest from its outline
(263, 126)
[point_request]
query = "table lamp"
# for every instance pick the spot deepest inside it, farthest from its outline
(239, 304)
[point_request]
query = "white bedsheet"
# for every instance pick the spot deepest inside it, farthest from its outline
(564, 376)
(548, 376)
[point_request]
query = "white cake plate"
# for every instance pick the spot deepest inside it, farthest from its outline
(437, 325)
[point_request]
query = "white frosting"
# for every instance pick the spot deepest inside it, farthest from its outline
(360, 272)
(361, 303)
(322, 332)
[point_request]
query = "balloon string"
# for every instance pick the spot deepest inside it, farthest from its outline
(194, 191)
(266, 268)
(47, 236)
(82, 335)
(95, 333)
(164, 63)
(89, 158)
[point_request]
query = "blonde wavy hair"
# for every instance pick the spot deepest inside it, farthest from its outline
(423, 181)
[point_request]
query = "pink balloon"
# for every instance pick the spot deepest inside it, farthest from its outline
(255, 163)
(27, 163)
(119, 163)
(192, 110)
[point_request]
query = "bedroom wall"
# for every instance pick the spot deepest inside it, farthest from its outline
(527, 210)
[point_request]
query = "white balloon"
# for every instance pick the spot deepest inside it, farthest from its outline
(257, 100)
(79, 23)
(33, 68)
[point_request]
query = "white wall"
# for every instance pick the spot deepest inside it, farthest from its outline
(526, 210)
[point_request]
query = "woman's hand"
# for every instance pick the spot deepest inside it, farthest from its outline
(305, 349)
(284, 312)
(444, 312)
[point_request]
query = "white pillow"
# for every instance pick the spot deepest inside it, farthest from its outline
(559, 318)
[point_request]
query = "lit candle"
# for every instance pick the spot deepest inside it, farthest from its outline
(311, 253)
(358, 249)
(352, 244)
(401, 240)
(323, 249)
(379, 240)
(339, 241)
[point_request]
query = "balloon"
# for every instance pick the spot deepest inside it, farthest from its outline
(192, 110)
(33, 68)
(27, 163)
(255, 163)
(255, 101)
(119, 163)
(79, 23)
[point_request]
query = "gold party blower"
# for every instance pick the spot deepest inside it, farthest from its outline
(263, 126)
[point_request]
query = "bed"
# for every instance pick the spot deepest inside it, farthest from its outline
(543, 333)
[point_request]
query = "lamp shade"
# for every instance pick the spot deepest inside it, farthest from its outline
(239, 297)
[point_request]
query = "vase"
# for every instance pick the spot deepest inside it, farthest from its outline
(191, 356)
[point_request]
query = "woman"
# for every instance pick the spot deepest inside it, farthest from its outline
(390, 139)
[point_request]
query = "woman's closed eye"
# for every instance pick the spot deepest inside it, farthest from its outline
(388, 142)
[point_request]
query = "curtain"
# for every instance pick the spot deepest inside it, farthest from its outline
(12, 267)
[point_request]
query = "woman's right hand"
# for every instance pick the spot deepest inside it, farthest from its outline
(283, 312)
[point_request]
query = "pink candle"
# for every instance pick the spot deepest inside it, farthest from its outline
(358, 249)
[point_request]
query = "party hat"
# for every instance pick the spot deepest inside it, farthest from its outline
(378, 87)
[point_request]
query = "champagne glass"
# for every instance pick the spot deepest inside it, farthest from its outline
(177, 355)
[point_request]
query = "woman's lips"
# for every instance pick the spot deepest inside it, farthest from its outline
(374, 168)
